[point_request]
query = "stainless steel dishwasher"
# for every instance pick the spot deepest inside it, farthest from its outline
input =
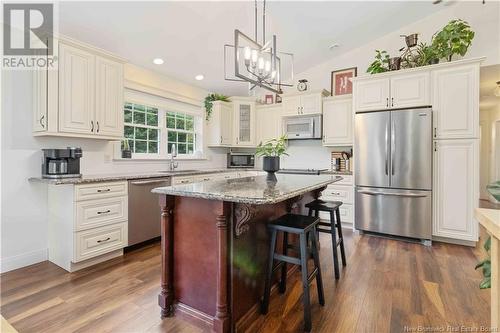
(143, 209)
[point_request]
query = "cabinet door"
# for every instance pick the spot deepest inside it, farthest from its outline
(455, 101)
(337, 122)
(455, 189)
(226, 124)
(109, 98)
(410, 90)
(269, 125)
(76, 90)
(371, 94)
(311, 104)
(291, 105)
(40, 100)
(245, 124)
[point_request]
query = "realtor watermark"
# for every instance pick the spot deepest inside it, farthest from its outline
(28, 35)
(449, 328)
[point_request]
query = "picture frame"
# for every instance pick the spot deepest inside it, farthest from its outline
(340, 81)
(269, 99)
(278, 99)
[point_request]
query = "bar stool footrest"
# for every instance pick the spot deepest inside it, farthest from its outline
(290, 260)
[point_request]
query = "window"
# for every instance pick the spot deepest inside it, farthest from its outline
(181, 132)
(152, 129)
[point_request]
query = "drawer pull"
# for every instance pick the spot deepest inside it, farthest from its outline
(184, 181)
(106, 190)
(103, 240)
(105, 212)
(206, 179)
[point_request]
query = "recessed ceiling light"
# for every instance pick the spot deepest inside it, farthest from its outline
(199, 77)
(333, 46)
(158, 61)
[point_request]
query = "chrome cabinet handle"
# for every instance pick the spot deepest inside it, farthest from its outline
(393, 144)
(392, 101)
(435, 131)
(104, 212)
(221, 139)
(103, 240)
(106, 190)
(92, 126)
(184, 181)
(206, 179)
(41, 121)
(97, 127)
(435, 146)
(387, 102)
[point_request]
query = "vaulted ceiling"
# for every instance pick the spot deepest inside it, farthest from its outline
(190, 35)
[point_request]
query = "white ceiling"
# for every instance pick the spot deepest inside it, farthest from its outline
(190, 36)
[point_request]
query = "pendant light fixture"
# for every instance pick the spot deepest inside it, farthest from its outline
(258, 62)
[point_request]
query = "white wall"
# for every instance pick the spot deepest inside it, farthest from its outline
(24, 204)
(484, 20)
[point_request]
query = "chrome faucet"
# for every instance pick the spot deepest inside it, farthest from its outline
(173, 153)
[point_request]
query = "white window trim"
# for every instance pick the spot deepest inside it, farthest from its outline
(163, 105)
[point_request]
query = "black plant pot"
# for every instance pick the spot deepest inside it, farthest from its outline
(271, 164)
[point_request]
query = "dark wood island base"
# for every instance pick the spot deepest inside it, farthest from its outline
(214, 256)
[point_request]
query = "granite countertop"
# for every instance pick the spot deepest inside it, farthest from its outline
(255, 190)
(136, 175)
(332, 172)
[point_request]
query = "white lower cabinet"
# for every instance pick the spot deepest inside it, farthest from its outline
(455, 189)
(341, 191)
(88, 223)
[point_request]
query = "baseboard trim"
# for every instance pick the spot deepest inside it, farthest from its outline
(454, 241)
(22, 260)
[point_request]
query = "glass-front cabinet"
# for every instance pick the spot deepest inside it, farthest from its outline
(244, 123)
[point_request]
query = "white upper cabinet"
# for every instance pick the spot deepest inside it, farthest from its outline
(371, 94)
(304, 103)
(455, 189)
(83, 97)
(410, 90)
(269, 120)
(220, 125)
(455, 102)
(337, 121)
(109, 97)
(244, 123)
(76, 90)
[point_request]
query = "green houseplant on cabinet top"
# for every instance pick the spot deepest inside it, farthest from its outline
(454, 38)
(209, 103)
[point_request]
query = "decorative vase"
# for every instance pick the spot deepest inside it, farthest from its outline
(271, 164)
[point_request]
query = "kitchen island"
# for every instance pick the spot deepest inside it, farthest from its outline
(215, 243)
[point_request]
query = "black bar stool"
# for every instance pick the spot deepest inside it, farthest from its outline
(332, 207)
(302, 226)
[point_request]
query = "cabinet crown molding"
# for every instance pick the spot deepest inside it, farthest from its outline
(323, 92)
(419, 69)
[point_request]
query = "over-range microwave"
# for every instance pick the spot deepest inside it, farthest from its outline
(302, 127)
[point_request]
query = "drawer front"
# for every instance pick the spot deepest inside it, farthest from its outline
(339, 193)
(94, 242)
(96, 213)
(346, 214)
(183, 180)
(346, 180)
(100, 190)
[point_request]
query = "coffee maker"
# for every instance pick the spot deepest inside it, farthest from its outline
(61, 163)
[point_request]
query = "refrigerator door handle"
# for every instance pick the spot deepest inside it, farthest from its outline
(393, 145)
(412, 195)
(387, 149)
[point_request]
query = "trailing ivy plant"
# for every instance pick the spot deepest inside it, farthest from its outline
(486, 266)
(454, 38)
(210, 99)
(273, 147)
(380, 64)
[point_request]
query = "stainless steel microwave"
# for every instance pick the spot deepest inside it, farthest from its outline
(302, 127)
(240, 160)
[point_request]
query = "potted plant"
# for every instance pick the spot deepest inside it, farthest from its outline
(271, 152)
(486, 266)
(126, 152)
(210, 99)
(454, 38)
(380, 64)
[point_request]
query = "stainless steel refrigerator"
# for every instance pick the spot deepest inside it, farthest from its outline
(393, 172)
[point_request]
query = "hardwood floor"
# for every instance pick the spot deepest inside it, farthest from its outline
(387, 285)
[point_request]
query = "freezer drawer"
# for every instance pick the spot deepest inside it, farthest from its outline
(395, 212)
